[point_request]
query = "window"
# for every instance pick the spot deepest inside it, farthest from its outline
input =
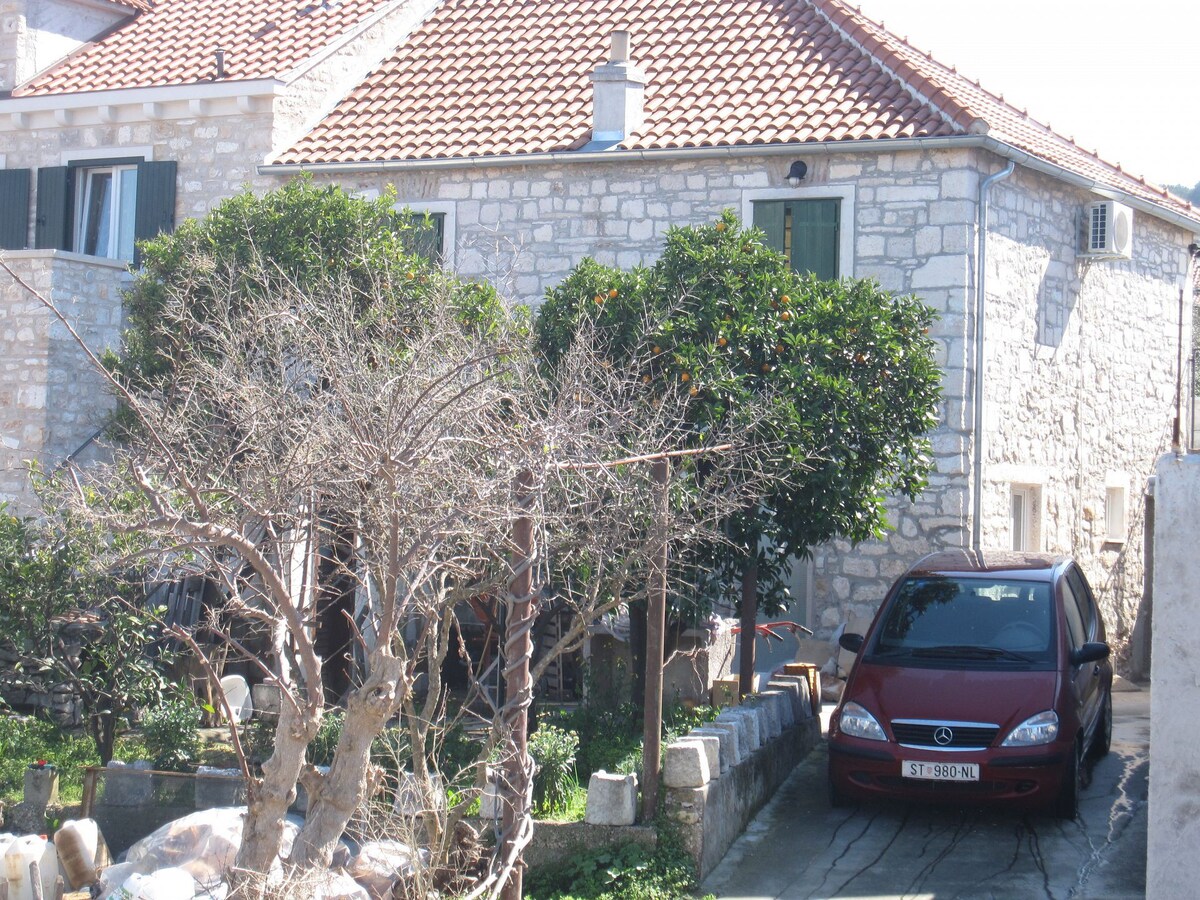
(102, 207)
(1076, 629)
(1115, 525)
(1025, 512)
(104, 211)
(434, 223)
(807, 232)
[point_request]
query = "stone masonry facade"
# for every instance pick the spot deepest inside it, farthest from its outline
(1079, 384)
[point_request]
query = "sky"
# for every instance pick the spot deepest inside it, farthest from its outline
(1121, 78)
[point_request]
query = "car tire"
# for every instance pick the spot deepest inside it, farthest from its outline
(1102, 739)
(837, 800)
(1066, 806)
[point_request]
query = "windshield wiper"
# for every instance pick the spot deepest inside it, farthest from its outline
(969, 651)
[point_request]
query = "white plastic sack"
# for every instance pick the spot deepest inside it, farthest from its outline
(204, 844)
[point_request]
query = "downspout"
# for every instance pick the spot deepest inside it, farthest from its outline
(980, 308)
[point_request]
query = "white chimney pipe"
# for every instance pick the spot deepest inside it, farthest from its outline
(618, 93)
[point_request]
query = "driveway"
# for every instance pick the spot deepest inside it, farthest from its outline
(800, 847)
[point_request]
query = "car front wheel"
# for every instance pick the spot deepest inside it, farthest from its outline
(1066, 806)
(1102, 741)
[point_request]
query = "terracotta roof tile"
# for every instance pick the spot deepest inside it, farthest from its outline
(173, 42)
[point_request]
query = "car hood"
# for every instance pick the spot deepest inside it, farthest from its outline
(1005, 698)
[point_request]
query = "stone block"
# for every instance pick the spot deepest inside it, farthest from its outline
(750, 721)
(741, 726)
(712, 750)
(727, 740)
(41, 786)
(784, 708)
(685, 765)
(128, 784)
(611, 799)
(223, 787)
(802, 707)
(768, 719)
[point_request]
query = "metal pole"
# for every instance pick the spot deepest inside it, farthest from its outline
(749, 623)
(656, 625)
(518, 651)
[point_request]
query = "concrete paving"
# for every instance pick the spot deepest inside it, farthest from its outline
(799, 847)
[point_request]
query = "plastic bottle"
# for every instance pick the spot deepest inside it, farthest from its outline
(20, 853)
(76, 843)
(165, 884)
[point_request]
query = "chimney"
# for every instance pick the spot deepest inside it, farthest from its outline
(618, 88)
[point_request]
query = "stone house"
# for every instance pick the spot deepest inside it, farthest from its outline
(538, 132)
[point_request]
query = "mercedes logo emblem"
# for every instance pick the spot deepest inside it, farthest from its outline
(943, 736)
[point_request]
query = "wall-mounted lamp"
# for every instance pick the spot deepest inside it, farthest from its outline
(797, 172)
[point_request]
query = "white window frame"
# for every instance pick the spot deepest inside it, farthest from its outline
(84, 181)
(845, 193)
(1030, 525)
(448, 209)
(1116, 507)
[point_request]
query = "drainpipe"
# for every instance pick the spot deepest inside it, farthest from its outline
(980, 307)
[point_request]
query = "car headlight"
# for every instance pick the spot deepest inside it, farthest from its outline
(1039, 729)
(857, 722)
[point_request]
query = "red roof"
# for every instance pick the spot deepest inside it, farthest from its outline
(175, 42)
(499, 77)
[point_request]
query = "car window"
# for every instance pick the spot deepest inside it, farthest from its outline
(984, 619)
(1087, 603)
(1075, 627)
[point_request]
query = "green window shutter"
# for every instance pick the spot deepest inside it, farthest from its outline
(155, 199)
(769, 218)
(52, 226)
(815, 225)
(429, 235)
(14, 209)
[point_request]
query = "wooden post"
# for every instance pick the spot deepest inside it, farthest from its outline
(89, 792)
(518, 651)
(749, 621)
(60, 888)
(35, 879)
(656, 625)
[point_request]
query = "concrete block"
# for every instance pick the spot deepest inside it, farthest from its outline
(685, 765)
(741, 726)
(41, 786)
(712, 750)
(755, 736)
(768, 719)
(220, 787)
(726, 738)
(611, 799)
(128, 784)
(737, 739)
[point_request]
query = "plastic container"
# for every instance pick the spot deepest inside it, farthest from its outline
(20, 853)
(165, 884)
(77, 843)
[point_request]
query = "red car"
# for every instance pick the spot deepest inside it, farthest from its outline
(985, 676)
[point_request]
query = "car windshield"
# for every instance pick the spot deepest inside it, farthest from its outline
(980, 620)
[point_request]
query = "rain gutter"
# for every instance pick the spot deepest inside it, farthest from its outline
(828, 148)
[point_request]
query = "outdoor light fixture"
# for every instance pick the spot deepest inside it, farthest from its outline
(797, 172)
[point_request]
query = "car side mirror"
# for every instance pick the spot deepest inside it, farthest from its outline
(1092, 651)
(850, 641)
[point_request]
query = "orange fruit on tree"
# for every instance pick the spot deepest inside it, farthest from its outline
(720, 226)
(693, 390)
(721, 342)
(785, 315)
(612, 295)
(685, 377)
(785, 299)
(597, 299)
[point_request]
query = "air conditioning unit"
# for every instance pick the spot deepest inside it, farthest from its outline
(1108, 230)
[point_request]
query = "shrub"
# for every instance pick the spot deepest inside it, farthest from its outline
(320, 748)
(553, 749)
(172, 734)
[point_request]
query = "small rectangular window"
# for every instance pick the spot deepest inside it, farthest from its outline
(1115, 525)
(1025, 517)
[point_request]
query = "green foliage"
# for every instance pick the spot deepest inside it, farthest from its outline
(624, 872)
(300, 235)
(172, 733)
(553, 751)
(833, 384)
(27, 739)
(321, 747)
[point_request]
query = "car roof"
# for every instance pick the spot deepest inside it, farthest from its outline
(1018, 564)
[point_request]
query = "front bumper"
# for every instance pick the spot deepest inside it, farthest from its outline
(1025, 777)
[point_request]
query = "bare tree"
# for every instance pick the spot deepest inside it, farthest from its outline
(297, 417)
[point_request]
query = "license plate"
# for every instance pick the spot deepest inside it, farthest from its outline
(939, 771)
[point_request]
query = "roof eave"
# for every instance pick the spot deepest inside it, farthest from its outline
(1190, 224)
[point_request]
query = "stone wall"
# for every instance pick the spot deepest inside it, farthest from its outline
(1174, 827)
(52, 401)
(36, 33)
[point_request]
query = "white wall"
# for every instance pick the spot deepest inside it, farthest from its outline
(1174, 829)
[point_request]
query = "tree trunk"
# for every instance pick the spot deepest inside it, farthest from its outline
(748, 623)
(269, 798)
(333, 798)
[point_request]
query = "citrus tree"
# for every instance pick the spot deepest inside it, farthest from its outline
(840, 375)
